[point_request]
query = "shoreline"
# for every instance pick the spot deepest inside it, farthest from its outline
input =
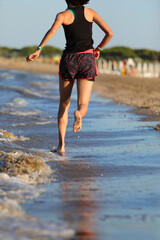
(141, 93)
(34, 67)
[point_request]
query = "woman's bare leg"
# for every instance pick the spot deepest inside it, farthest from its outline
(65, 89)
(84, 89)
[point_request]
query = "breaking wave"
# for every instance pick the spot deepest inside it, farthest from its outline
(30, 167)
(10, 137)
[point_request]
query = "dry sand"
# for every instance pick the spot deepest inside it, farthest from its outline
(141, 93)
(36, 66)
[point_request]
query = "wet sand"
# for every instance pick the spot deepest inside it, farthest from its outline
(141, 93)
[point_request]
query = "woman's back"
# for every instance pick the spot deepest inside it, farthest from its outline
(78, 29)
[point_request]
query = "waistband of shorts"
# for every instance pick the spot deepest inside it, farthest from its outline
(87, 51)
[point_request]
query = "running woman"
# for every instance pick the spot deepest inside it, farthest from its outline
(77, 62)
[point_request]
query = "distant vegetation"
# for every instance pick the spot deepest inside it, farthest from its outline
(118, 53)
(115, 53)
(48, 51)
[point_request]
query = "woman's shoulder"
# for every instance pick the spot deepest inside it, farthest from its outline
(62, 14)
(90, 11)
(89, 14)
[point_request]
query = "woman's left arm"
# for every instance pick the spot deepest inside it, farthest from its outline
(56, 25)
(106, 29)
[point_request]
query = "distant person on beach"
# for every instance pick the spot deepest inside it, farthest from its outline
(124, 68)
(78, 61)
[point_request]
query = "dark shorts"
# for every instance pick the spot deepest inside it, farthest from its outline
(80, 66)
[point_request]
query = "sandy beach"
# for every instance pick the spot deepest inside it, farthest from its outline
(141, 93)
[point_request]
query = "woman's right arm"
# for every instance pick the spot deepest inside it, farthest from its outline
(56, 25)
(105, 28)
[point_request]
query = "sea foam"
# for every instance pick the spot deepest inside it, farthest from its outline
(10, 137)
(30, 167)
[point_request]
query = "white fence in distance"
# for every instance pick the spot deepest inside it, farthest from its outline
(129, 67)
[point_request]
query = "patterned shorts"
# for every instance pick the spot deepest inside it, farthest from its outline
(80, 66)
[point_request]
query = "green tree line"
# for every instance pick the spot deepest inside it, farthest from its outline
(114, 53)
(119, 53)
(48, 51)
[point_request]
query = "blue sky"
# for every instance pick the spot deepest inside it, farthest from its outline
(134, 23)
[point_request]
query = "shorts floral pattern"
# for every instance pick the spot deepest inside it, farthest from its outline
(78, 66)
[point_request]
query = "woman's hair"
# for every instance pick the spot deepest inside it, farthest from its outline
(77, 2)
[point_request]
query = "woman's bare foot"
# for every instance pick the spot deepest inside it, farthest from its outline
(78, 121)
(59, 149)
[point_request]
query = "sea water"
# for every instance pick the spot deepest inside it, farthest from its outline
(105, 187)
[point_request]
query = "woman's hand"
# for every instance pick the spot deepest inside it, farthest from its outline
(96, 53)
(33, 56)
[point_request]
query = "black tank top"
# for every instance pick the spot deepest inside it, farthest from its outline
(79, 33)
